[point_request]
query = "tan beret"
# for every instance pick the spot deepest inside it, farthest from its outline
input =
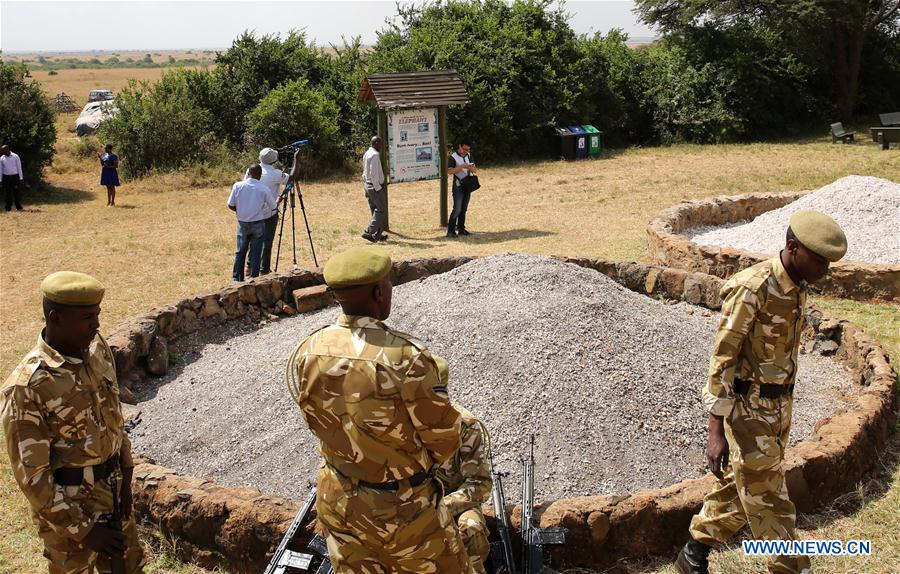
(443, 368)
(72, 288)
(357, 266)
(819, 233)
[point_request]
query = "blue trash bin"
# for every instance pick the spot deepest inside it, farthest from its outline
(581, 142)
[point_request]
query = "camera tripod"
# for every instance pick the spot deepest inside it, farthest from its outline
(293, 195)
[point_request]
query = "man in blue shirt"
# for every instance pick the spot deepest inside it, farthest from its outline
(252, 201)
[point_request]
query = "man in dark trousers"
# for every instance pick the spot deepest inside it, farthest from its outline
(11, 172)
(376, 192)
(460, 166)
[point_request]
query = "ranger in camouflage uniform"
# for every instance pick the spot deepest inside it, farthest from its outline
(65, 433)
(373, 398)
(466, 481)
(749, 394)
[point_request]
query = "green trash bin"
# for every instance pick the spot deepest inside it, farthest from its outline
(593, 137)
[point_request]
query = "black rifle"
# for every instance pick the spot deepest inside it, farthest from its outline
(113, 521)
(501, 552)
(285, 558)
(533, 538)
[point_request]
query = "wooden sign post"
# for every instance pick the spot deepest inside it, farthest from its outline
(408, 144)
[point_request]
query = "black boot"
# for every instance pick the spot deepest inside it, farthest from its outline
(693, 558)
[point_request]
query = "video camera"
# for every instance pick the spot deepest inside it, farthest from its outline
(286, 153)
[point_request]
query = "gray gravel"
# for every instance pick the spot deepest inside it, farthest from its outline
(867, 208)
(609, 380)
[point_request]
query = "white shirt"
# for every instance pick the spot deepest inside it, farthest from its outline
(272, 178)
(11, 164)
(252, 199)
(372, 172)
(459, 160)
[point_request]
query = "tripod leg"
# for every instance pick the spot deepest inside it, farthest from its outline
(308, 232)
(280, 231)
(293, 229)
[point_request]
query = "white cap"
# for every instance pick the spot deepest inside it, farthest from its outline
(268, 155)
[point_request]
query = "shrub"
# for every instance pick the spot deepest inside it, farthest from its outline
(296, 110)
(160, 126)
(86, 147)
(250, 69)
(26, 121)
(688, 103)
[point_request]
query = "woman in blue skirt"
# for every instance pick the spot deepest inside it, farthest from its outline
(109, 176)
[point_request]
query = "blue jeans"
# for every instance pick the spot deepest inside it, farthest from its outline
(249, 238)
(461, 198)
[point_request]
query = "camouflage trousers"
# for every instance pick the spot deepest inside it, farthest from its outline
(474, 532)
(67, 556)
(754, 491)
(384, 532)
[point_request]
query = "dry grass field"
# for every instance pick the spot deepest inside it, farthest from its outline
(78, 83)
(171, 236)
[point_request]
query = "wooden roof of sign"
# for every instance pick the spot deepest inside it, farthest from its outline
(414, 89)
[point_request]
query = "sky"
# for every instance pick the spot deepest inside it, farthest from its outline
(113, 25)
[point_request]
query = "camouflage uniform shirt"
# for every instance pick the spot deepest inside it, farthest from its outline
(373, 398)
(759, 333)
(466, 477)
(60, 411)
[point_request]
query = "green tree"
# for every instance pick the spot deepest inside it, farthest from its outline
(162, 125)
(830, 33)
(518, 62)
(26, 120)
(251, 68)
(342, 73)
(297, 109)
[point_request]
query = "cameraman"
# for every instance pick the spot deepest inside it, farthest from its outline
(273, 178)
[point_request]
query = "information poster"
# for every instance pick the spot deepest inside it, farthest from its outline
(413, 144)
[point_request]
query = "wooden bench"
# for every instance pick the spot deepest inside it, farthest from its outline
(839, 133)
(886, 135)
(891, 119)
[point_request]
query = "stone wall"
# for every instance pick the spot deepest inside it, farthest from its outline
(667, 246)
(239, 527)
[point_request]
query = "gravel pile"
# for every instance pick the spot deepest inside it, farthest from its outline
(867, 208)
(609, 381)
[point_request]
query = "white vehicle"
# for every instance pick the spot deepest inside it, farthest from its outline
(93, 115)
(100, 95)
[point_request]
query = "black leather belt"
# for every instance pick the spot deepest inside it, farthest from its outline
(766, 390)
(394, 485)
(74, 475)
(414, 480)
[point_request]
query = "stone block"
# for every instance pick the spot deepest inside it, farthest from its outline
(693, 289)
(229, 299)
(167, 319)
(312, 298)
(670, 283)
(211, 308)
(247, 293)
(158, 358)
